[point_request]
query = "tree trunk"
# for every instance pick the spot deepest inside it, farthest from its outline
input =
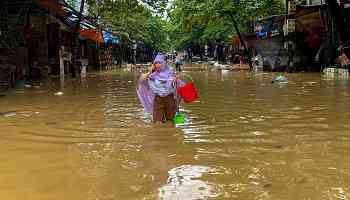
(77, 25)
(246, 51)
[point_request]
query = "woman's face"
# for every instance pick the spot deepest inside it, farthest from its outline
(158, 66)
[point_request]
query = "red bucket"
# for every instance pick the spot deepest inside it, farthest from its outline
(188, 92)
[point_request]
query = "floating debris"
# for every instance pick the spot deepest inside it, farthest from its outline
(8, 114)
(280, 79)
(58, 93)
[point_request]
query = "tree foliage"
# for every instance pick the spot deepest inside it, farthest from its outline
(204, 21)
(141, 20)
(188, 21)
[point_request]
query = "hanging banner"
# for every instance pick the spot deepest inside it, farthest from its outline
(292, 7)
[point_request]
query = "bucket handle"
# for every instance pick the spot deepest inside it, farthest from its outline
(188, 76)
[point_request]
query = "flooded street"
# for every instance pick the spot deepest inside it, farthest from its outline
(244, 139)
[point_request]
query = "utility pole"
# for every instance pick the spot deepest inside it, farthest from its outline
(98, 31)
(80, 15)
(335, 13)
(75, 46)
(290, 30)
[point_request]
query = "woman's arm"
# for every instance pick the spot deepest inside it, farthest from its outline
(146, 75)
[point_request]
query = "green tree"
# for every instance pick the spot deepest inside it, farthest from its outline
(198, 21)
(141, 20)
(157, 36)
(188, 21)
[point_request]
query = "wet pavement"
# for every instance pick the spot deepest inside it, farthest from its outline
(245, 138)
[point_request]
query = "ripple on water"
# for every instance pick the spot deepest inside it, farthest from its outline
(266, 141)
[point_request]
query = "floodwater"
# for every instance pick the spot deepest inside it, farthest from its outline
(244, 139)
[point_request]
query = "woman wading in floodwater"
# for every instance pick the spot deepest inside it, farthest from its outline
(156, 91)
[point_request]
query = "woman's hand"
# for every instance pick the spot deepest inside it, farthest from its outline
(150, 72)
(147, 75)
(153, 68)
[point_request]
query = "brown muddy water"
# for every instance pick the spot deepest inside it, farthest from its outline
(245, 139)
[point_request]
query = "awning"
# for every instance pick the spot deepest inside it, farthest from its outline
(51, 6)
(92, 34)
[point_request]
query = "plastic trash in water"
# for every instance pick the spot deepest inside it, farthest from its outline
(280, 79)
(58, 93)
(27, 86)
(9, 114)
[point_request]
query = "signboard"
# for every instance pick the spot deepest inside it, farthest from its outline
(269, 27)
(292, 6)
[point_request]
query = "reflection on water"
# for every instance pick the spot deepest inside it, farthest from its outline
(245, 138)
(184, 183)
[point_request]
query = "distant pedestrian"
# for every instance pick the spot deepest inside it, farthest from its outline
(178, 62)
(241, 59)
